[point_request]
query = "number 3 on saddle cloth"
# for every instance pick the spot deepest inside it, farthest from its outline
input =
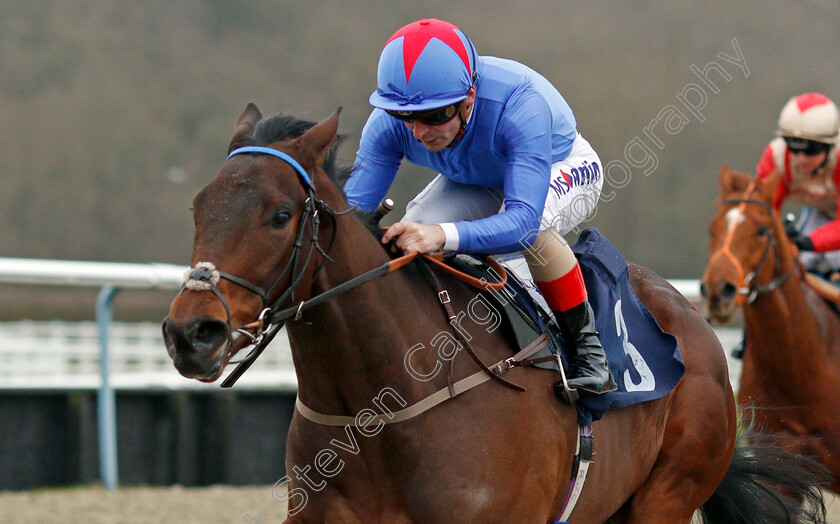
(645, 361)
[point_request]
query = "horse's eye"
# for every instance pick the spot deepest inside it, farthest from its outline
(280, 219)
(762, 230)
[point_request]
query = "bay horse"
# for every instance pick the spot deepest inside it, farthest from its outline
(791, 362)
(265, 239)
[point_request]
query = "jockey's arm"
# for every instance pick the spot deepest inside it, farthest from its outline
(525, 135)
(375, 166)
(826, 237)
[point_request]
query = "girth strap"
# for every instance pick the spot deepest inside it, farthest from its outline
(580, 467)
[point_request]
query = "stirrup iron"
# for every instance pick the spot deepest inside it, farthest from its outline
(567, 394)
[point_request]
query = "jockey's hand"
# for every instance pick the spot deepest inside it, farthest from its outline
(790, 229)
(411, 237)
(804, 243)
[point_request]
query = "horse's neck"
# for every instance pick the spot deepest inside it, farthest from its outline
(350, 347)
(782, 326)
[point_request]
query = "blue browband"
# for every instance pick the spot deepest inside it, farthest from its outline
(279, 154)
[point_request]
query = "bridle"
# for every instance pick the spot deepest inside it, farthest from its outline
(748, 288)
(205, 276)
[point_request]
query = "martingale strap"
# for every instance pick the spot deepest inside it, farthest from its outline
(453, 389)
(445, 301)
(498, 272)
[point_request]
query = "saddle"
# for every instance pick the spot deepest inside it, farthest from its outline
(645, 360)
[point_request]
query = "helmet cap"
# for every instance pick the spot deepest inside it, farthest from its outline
(811, 116)
(427, 64)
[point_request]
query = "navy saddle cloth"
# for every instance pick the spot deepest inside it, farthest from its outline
(645, 361)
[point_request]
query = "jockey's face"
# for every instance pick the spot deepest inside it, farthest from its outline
(437, 138)
(807, 163)
(808, 155)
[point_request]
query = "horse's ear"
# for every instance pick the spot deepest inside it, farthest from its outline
(725, 180)
(767, 188)
(244, 128)
(317, 139)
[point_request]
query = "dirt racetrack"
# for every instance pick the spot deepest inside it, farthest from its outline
(176, 505)
(145, 505)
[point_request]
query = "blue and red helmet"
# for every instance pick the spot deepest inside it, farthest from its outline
(425, 65)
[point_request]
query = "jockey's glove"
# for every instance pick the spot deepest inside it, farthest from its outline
(790, 228)
(803, 242)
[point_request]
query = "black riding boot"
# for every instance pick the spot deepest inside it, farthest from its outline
(738, 350)
(590, 369)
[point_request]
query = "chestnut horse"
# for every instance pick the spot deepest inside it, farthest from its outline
(266, 238)
(791, 366)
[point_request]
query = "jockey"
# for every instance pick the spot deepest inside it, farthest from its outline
(514, 173)
(805, 152)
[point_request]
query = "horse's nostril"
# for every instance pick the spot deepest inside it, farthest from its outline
(704, 291)
(173, 336)
(727, 291)
(208, 335)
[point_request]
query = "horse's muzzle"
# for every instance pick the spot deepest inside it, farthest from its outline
(198, 348)
(719, 300)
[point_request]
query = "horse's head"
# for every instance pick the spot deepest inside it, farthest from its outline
(258, 228)
(746, 238)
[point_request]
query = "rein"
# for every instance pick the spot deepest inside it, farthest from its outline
(204, 276)
(748, 288)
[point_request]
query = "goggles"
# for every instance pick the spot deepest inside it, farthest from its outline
(430, 117)
(805, 146)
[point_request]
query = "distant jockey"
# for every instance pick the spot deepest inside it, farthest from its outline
(805, 152)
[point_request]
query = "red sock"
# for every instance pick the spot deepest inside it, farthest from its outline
(565, 292)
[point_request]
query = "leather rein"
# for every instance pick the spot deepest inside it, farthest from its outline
(204, 276)
(749, 289)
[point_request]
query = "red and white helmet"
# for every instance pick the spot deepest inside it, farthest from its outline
(811, 116)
